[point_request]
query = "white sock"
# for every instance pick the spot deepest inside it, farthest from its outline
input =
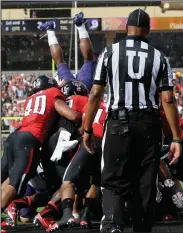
(82, 32)
(76, 215)
(52, 39)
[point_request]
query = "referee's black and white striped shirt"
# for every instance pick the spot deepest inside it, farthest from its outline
(134, 71)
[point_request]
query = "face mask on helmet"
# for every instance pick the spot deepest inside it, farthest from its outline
(67, 91)
(43, 82)
(74, 88)
(36, 84)
(52, 82)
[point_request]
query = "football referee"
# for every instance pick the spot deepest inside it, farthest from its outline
(136, 74)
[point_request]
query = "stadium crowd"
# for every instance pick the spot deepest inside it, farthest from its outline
(14, 91)
(16, 88)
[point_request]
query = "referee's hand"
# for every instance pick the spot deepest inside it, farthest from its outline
(174, 153)
(89, 142)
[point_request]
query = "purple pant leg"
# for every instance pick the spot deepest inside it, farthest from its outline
(64, 73)
(85, 74)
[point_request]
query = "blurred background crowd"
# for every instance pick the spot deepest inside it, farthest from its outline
(16, 88)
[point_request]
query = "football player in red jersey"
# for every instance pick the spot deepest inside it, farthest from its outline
(76, 97)
(76, 93)
(82, 166)
(41, 111)
(54, 172)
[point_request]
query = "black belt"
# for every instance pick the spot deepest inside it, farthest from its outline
(119, 115)
(124, 114)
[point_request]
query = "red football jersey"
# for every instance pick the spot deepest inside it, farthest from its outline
(40, 112)
(77, 102)
(98, 123)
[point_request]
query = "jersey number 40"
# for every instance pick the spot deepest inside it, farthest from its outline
(36, 105)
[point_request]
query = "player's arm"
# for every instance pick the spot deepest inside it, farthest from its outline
(168, 100)
(100, 79)
(81, 128)
(67, 112)
(172, 115)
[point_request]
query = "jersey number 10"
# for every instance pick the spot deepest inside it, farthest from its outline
(37, 106)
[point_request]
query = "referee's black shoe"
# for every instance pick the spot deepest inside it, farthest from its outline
(112, 228)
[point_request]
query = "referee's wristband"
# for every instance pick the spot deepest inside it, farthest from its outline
(89, 131)
(177, 141)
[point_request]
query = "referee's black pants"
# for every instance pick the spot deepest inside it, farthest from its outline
(130, 163)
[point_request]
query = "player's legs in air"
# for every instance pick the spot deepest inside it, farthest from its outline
(56, 51)
(85, 74)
